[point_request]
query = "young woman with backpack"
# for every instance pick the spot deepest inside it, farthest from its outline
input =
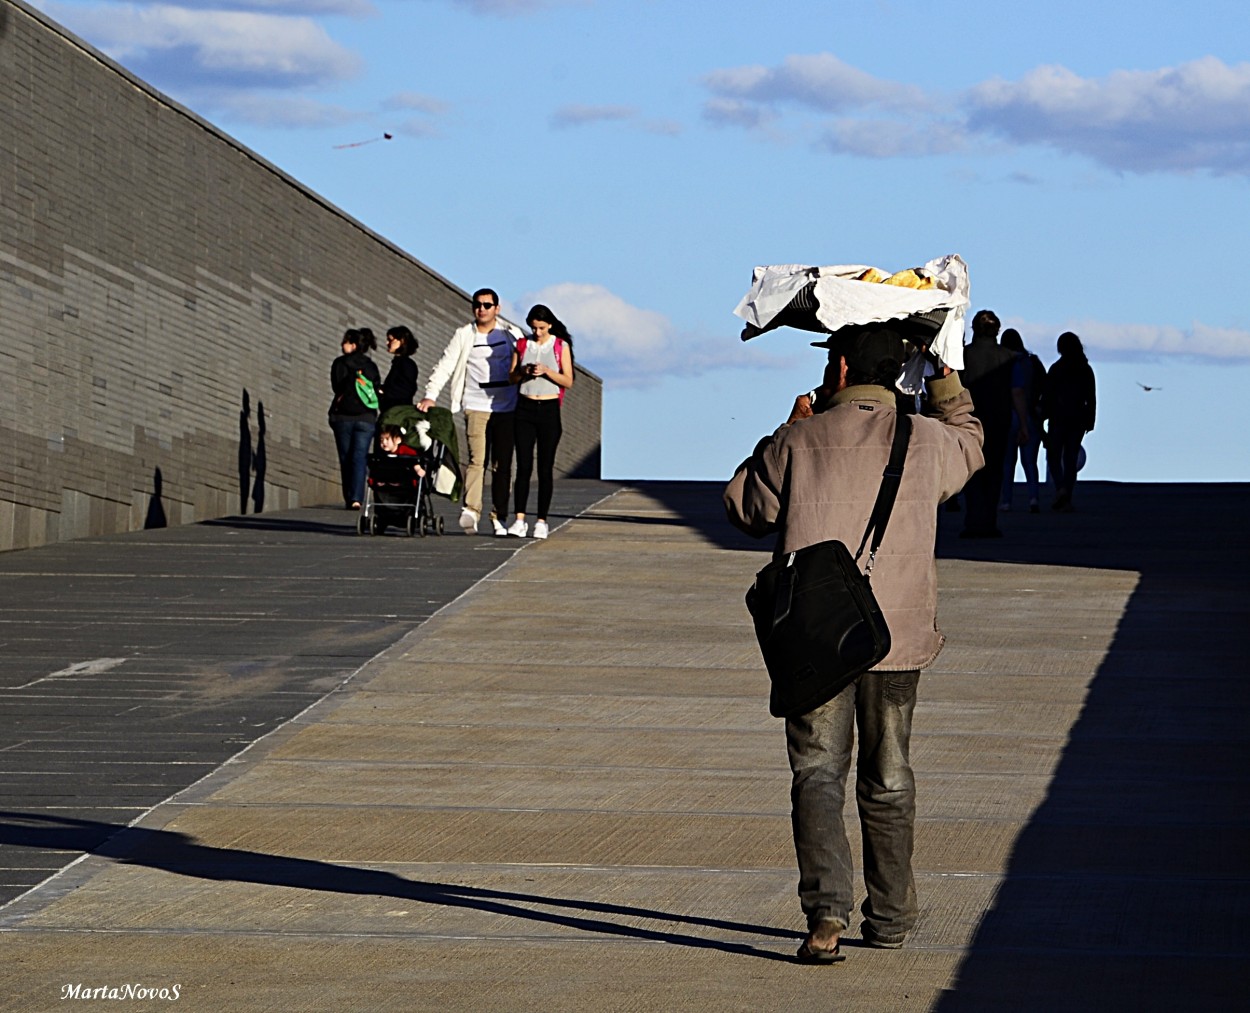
(355, 380)
(543, 365)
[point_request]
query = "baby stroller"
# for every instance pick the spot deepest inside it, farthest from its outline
(396, 495)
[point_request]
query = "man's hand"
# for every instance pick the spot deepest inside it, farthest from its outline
(802, 409)
(425, 404)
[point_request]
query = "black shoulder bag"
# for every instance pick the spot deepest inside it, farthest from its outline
(817, 621)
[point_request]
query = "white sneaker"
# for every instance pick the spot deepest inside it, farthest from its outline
(518, 528)
(540, 529)
(468, 521)
(500, 530)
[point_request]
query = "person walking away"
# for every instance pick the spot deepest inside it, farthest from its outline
(543, 366)
(400, 385)
(1069, 405)
(987, 374)
(1028, 378)
(476, 362)
(354, 378)
(785, 487)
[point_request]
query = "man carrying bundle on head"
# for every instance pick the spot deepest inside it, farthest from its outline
(815, 479)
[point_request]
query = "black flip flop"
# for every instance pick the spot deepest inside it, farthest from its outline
(809, 954)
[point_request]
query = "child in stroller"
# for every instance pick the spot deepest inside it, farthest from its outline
(396, 490)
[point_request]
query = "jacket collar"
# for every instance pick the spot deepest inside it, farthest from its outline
(864, 392)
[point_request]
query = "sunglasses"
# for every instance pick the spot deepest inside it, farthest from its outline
(479, 305)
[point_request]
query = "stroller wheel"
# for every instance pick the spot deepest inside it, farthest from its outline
(412, 525)
(362, 525)
(376, 527)
(438, 526)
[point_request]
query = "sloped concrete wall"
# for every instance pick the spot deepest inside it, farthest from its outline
(170, 304)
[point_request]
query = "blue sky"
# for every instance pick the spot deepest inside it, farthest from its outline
(629, 162)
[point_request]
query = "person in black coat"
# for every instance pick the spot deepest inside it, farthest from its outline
(400, 385)
(354, 379)
(1068, 405)
(987, 376)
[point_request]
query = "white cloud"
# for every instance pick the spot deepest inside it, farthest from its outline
(1140, 342)
(1137, 341)
(351, 8)
(733, 112)
(414, 127)
(577, 115)
(282, 111)
(1194, 116)
(664, 128)
(634, 347)
(820, 81)
(198, 49)
(514, 8)
(891, 138)
(411, 101)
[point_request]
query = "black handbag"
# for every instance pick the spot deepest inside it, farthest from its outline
(817, 621)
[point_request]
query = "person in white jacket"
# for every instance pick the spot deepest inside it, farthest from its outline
(477, 361)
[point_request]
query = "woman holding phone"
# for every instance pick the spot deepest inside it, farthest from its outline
(543, 365)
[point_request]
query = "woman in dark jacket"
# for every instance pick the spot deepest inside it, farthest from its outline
(1068, 404)
(400, 385)
(355, 380)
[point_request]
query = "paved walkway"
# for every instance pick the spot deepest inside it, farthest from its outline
(564, 792)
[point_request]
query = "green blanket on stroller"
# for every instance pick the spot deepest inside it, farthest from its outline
(420, 430)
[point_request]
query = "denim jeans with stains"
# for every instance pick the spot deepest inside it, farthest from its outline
(879, 705)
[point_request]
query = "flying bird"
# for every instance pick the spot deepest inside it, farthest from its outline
(361, 144)
(1144, 387)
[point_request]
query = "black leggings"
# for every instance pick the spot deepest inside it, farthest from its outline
(536, 422)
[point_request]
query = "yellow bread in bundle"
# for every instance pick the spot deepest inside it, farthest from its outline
(873, 275)
(911, 278)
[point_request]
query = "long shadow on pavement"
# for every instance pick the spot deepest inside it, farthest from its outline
(179, 854)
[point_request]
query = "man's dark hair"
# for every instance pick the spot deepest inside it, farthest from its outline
(881, 373)
(486, 291)
(874, 354)
(987, 321)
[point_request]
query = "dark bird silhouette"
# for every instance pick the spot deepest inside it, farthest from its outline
(1144, 387)
(361, 144)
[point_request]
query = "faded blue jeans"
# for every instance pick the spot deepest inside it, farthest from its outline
(353, 436)
(880, 705)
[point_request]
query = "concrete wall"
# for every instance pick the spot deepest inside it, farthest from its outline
(170, 304)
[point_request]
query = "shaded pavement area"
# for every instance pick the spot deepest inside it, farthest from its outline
(563, 790)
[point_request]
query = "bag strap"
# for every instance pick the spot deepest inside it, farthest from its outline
(890, 479)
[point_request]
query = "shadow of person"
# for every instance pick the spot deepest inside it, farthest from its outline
(245, 451)
(180, 854)
(156, 510)
(258, 461)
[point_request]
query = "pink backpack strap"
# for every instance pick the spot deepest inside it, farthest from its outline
(560, 363)
(520, 348)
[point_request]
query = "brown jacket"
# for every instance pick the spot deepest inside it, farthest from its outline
(817, 479)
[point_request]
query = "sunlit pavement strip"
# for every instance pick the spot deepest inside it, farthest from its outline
(564, 792)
